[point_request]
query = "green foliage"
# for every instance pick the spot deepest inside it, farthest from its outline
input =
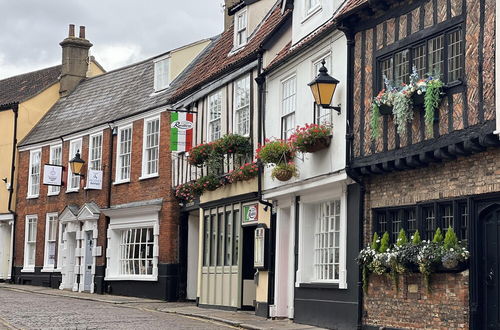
(208, 182)
(384, 243)
(402, 111)
(276, 152)
(438, 236)
(284, 167)
(432, 99)
(375, 121)
(308, 135)
(402, 239)
(416, 238)
(375, 242)
(450, 239)
(233, 144)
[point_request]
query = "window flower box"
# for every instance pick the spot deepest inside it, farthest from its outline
(311, 138)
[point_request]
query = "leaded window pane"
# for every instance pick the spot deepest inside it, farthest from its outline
(455, 55)
(401, 61)
(435, 56)
(419, 60)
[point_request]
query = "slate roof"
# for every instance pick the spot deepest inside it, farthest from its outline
(102, 99)
(23, 87)
(220, 61)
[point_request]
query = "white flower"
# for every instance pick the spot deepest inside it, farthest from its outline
(419, 92)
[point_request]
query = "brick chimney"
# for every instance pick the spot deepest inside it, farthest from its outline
(75, 60)
(228, 20)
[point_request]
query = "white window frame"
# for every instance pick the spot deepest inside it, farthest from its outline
(212, 122)
(48, 217)
(285, 113)
(91, 154)
(240, 30)
(309, 205)
(310, 8)
(145, 160)
(238, 108)
(32, 192)
(27, 267)
(161, 73)
(124, 219)
(71, 153)
(319, 111)
(55, 190)
(118, 178)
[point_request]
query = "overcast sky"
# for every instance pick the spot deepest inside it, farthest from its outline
(122, 31)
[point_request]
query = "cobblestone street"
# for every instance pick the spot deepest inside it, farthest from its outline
(22, 310)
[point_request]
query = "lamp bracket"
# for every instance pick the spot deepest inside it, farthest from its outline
(337, 108)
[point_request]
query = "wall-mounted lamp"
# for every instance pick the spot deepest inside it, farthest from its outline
(323, 88)
(76, 164)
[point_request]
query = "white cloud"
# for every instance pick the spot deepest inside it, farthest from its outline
(115, 56)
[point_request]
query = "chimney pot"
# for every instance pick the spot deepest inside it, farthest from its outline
(82, 32)
(71, 30)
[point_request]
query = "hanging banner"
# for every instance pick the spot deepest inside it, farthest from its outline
(94, 179)
(52, 175)
(181, 133)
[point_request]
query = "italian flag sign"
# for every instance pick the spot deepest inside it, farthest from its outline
(181, 132)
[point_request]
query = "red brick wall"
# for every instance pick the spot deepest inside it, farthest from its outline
(134, 191)
(468, 106)
(412, 306)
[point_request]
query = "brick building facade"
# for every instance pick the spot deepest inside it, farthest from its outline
(425, 177)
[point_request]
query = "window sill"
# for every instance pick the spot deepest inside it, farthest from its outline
(311, 13)
(121, 182)
(28, 270)
(132, 278)
(320, 285)
(48, 270)
(151, 176)
(52, 194)
(71, 191)
(32, 197)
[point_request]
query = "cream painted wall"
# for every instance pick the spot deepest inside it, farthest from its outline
(180, 58)
(277, 47)
(256, 13)
(6, 133)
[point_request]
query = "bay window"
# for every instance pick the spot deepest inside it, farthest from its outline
(55, 159)
(136, 251)
(124, 154)
(34, 173)
(73, 179)
(288, 105)
(214, 116)
(51, 227)
(151, 144)
(30, 242)
(242, 106)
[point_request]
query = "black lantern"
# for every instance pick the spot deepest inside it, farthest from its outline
(76, 164)
(323, 88)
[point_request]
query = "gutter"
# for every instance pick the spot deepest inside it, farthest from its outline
(349, 156)
(15, 109)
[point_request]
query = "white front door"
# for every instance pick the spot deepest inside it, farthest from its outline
(89, 243)
(69, 261)
(5, 243)
(284, 280)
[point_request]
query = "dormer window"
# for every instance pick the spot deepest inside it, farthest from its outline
(162, 73)
(240, 31)
(311, 6)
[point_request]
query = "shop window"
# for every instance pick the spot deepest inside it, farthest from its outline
(327, 242)
(206, 254)
(136, 251)
(439, 55)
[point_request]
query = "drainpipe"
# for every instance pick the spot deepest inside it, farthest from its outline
(349, 155)
(110, 182)
(15, 109)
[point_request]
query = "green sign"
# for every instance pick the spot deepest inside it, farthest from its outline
(250, 214)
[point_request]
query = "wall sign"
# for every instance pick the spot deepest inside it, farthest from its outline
(52, 175)
(94, 179)
(260, 247)
(250, 214)
(181, 132)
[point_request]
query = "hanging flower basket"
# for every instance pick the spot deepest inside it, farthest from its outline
(385, 109)
(284, 172)
(418, 99)
(319, 144)
(276, 152)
